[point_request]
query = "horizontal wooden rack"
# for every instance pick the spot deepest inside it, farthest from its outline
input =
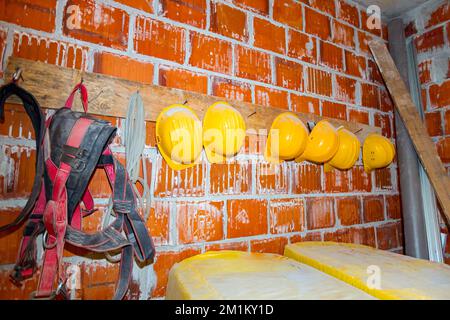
(109, 96)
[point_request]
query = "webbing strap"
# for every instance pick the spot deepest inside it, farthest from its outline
(37, 119)
(55, 214)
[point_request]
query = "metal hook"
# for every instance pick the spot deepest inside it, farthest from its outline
(17, 75)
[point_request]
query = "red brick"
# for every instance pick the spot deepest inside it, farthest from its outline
(433, 123)
(320, 213)
(393, 207)
(441, 14)
(373, 208)
(370, 96)
(348, 13)
(289, 74)
(239, 246)
(272, 245)
(355, 65)
(164, 262)
(349, 210)
(440, 95)
(373, 72)
(80, 21)
(229, 22)
(430, 40)
(363, 40)
(232, 90)
(358, 116)
(211, 53)
(34, 14)
(288, 12)
(9, 291)
(385, 30)
(123, 67)
(10, 240)
(260, 6)
(384, 122)
(383, 179)
(269, 36)
(331, 56)
(345, 89)
(362, 181)
(387, 105)
(252, 64)
(230, 178)
(307, 178)
(17, 123)
(98, 281)
(424, 71)
(191, 12)
(49, 51)
(364, 236)
(199, 221)
(343, 34)
(159, 39)
(310, 236)
(302, 46)
(387, 236)
(143, 5)
(19, 166)
(337, 181)
(334, 110)
(443, 148)
(319, 82)
(184, 183)
(246, 217)
(272, 178)
(3, 34)
(447, 122)
(271, 97)
(327, 6)
(317, 24)
(286, 215)
(158, 222)
(183, 79)
(305, 104)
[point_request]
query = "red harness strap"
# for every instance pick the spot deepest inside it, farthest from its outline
(55, 215)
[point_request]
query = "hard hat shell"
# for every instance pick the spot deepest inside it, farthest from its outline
(348, 152)
(378, 152)
(322, 143)
(287, 138)
(179, 136)
(223, 132)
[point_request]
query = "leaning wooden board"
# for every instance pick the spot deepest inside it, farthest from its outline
(109, 96)
(423, 144)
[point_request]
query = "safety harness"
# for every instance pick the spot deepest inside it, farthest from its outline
(70, 146)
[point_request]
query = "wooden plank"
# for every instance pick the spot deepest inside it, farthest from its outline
(423, 144)
(109, 96)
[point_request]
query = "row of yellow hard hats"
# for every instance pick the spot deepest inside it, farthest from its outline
(336, 148)
(180, 135)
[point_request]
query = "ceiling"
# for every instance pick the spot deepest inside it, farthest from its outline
(393, 8)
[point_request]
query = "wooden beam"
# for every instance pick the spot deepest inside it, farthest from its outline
(109, 96)
(423, 144)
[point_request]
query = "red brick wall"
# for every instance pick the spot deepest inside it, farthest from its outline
(307, 56)
(429, 29)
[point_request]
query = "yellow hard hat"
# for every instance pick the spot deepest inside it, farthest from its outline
(323, 143)
(348, 152)
(287, 138)
(378, 152)
(223, 132)
(179, 136)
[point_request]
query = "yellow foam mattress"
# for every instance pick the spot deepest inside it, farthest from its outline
(241, 276)
(384, 275)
